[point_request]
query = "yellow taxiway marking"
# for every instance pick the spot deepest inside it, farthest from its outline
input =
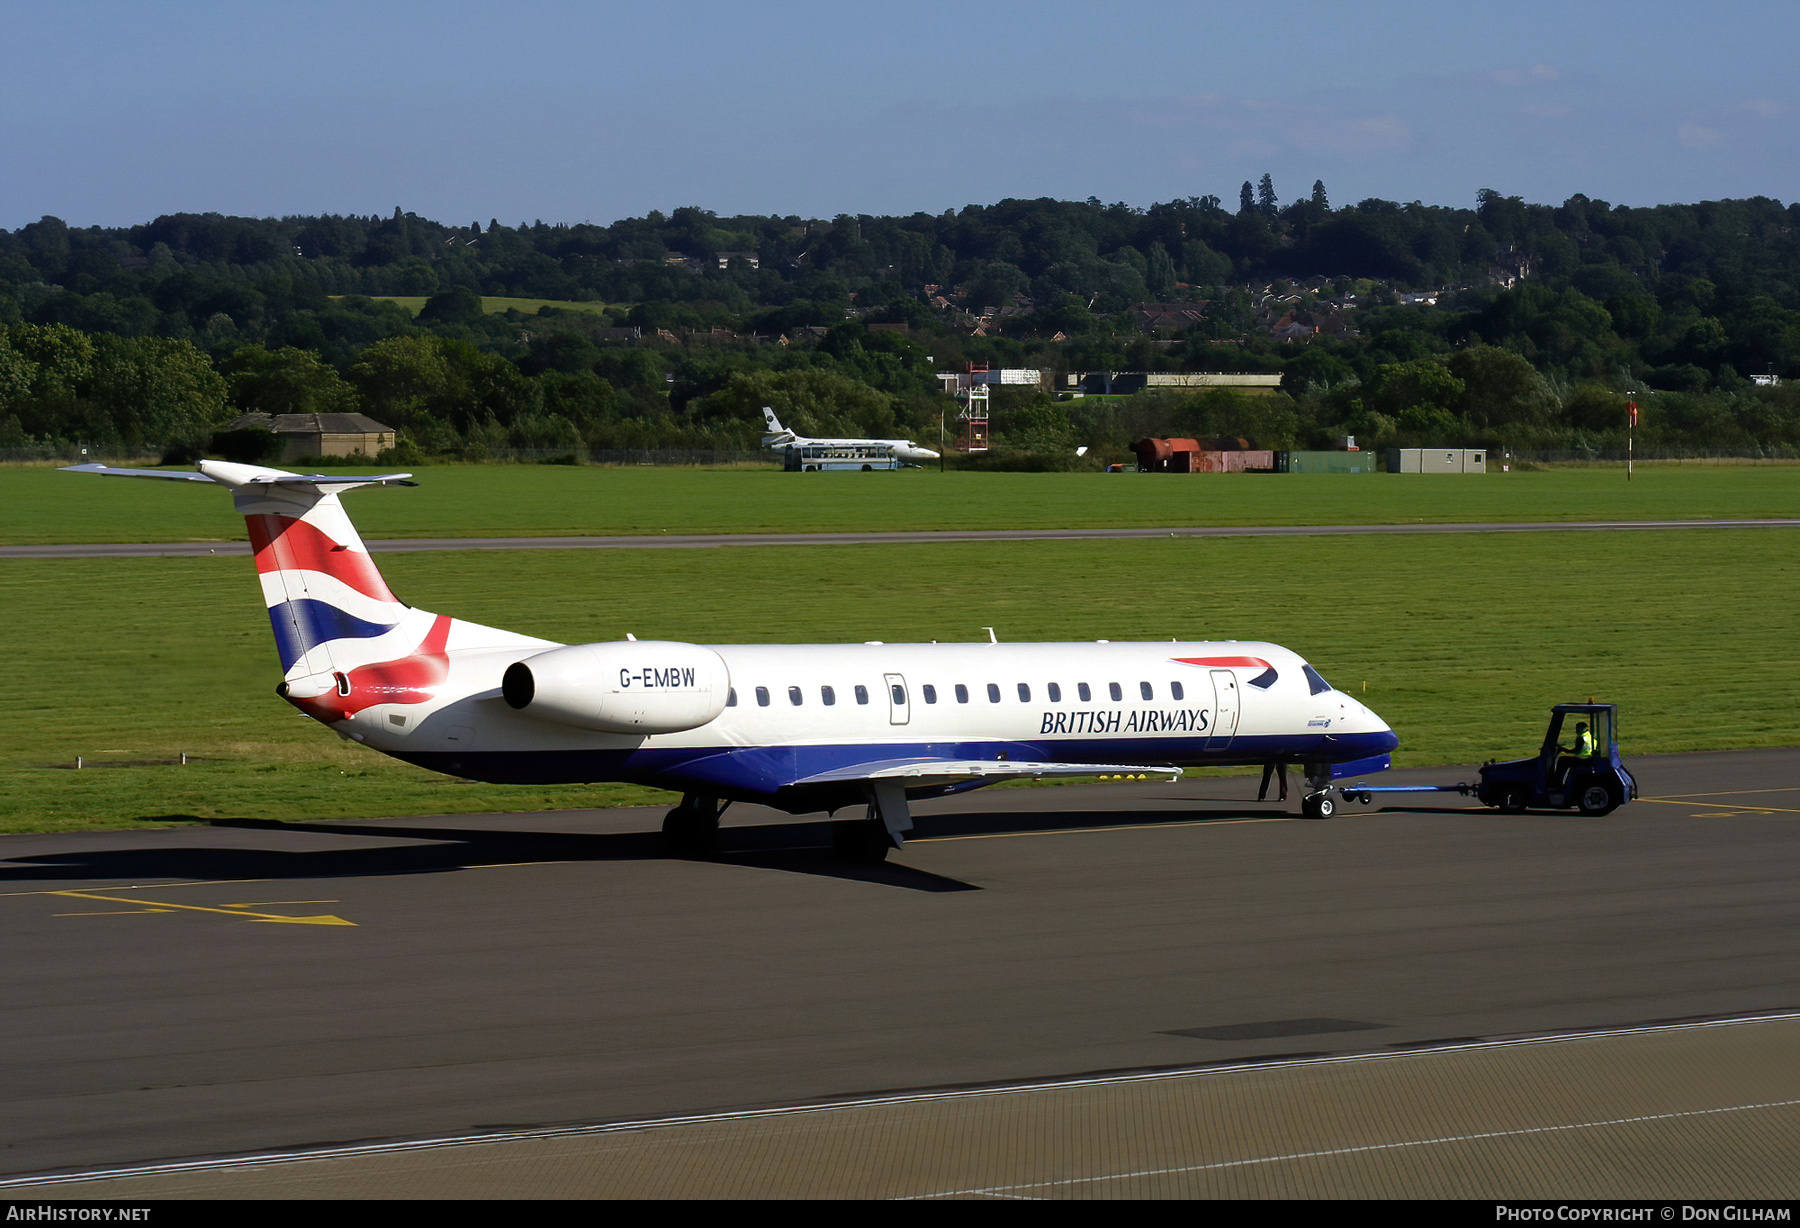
(1725, 809)
(198, 882)
(1669, 797)
(230, 910)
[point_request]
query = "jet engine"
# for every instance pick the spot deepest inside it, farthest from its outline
(631, 686)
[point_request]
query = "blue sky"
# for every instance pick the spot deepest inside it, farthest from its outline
(113, 113)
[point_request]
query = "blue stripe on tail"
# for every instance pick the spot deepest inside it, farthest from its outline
(306, 623)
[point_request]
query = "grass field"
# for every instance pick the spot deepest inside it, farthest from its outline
(1461, 642)
(493, 304)
(39, 504)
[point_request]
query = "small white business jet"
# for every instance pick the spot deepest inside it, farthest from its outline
(778, 437)
(803, 728)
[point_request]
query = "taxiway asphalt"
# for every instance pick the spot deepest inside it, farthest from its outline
(675, 541)
(506, 972)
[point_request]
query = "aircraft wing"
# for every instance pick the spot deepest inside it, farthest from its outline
(920, 773)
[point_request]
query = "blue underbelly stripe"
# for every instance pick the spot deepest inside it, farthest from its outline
(764, 771)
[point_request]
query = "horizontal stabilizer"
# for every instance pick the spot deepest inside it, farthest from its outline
(173, 475)
(225, 473)
(920, 773)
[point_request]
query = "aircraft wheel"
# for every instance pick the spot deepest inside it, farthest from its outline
(1598, 799)
(1513, 799)
(692, 830)
(1319, 806)
(860, 840)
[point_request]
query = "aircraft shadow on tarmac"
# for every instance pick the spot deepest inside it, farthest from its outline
(800, 848)
(445, 849)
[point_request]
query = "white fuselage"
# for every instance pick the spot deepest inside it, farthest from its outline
(796, 710)
(904, 449)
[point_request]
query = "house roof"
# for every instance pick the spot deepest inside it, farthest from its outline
(310, 424)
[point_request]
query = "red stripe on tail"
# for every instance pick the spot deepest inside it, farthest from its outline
(411, 679)
(283, 543)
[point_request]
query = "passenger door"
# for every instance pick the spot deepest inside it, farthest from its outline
(899, 710)
(1225, 709)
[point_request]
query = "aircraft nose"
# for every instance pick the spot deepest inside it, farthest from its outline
(1379, 728)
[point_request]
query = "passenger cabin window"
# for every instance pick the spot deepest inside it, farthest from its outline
(1117, 693)
(1145, 689)
(1081, 690)
(993, 692)
(1176, 691)
(731, 697)
(898, 694)
(1024, 693)
(1055, 693)
(862, 694)
(794, 696)
(930, 693)
(962, 693)
(762, 696)
(827, 696)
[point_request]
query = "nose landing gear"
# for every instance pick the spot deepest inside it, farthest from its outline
(1319, 802)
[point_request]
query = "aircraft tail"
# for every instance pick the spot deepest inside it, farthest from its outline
(329, 606)
(345, 640)
(777, 435)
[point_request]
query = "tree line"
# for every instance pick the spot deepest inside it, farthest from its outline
(154, 335)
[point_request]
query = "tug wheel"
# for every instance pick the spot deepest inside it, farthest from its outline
(1598, 799)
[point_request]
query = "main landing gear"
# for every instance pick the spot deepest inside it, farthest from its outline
(692, 828)
(885, 826)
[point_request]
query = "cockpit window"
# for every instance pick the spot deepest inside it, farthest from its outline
(1319, 685)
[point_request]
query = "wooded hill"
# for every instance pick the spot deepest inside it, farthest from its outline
(1538, 320)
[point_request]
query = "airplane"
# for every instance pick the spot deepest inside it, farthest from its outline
(779, 436)
(801, 728)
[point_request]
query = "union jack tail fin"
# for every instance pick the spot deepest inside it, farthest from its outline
(329, 606)
(345, 640)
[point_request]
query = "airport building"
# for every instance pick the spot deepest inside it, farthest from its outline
(319, 434)
(1126, 383)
